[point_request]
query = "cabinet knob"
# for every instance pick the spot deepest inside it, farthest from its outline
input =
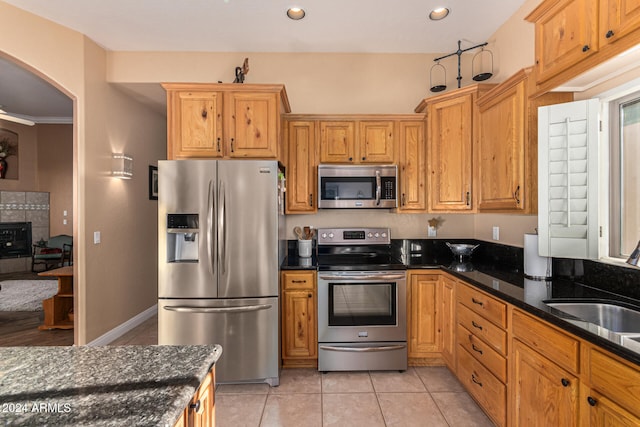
(609, 34)
(310, 295)
(468, 198)
(585, 48)
(350, 158)
(476, 349)
(195, 406)
(404, 200)
(298, 281)
(591, 401)
(218, 145)
(516, 195)
(475, 301)
(311, 200)
(364, 158)
(204, 114)
(232, 145)
(475, 325)
(565, 382)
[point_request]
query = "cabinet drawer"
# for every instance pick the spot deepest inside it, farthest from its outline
(617, 381)
(483, 329)
(489, 307)
(298, 280)
(555, 345)
(490, 393)
(491, 359)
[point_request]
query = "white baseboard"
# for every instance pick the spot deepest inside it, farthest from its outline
(125, 327)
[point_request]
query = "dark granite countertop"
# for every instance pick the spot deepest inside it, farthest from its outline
(100, 386)
(498, 270)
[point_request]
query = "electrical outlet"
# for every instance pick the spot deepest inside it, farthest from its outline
(64, 222)
(96, 237)
(496, 233)
(431, 231)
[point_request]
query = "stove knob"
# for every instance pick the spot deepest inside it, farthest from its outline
(377, 235)
(370, 235)
(331, 235)
(323, 235)
(384, 235)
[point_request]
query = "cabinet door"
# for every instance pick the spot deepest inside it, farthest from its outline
(337, 142)
(618, 18)
(423, 296)
(543, 394)
(450, 154)
(301, 167)
(604, 412)
(566, 33)
(195, 125)
(376, 142)
(299, 324)
(202, 409)
(252, 124)
(448, 321)
(412, 165)
(502, 152)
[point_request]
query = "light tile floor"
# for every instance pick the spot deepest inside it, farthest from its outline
(420, 396)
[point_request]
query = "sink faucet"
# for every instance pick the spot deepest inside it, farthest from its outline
(635, 256)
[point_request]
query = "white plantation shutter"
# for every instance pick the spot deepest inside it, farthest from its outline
(568, 179)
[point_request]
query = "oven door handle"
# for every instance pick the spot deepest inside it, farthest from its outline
(367, 277)
(362, 349)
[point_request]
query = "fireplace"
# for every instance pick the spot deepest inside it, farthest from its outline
(15, 239)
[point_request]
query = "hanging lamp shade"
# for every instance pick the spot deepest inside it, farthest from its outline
(482, 65)
(438, 78)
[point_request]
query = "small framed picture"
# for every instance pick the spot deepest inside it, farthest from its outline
(153, 182)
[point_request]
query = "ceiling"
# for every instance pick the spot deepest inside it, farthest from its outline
(361, 26)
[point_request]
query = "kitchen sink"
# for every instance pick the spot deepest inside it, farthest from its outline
(609, 316)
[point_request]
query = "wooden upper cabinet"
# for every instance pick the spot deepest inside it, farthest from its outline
(502, 149)
(337, 141)
(574, 36)
(252, 123)
(507, 145)
(195, 127)
(301, 167)
(618, 18)
(412, 167)
(566, 33)
(376, 142)
(224, 120)
(352, 139)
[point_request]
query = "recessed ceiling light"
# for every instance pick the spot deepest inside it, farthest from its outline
(438, 13)
(295, 13)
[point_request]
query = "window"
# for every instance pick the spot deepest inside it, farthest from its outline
(624, 210)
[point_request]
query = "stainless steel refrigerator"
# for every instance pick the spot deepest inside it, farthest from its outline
(220, 243)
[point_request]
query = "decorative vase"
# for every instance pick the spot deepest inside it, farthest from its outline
(3, 168)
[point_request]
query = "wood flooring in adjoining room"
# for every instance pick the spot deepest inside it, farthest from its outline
(20, 328)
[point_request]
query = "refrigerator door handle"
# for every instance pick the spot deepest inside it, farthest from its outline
(210, 225)
(241, 309)
(222, 235)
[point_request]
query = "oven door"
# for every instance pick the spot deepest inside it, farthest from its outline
(361, 306)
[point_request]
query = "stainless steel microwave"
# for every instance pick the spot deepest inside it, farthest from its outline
(357, 186)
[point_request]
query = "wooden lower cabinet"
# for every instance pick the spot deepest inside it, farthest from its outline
(542, 393)
(424, 318)
(299, 319)
(485, 388)
(613, 398)
(201, 409)
(448, 310)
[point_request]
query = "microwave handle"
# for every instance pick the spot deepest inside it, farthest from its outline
(378, 188)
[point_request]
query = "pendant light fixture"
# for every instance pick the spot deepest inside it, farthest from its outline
(482, 65)
(439, 83)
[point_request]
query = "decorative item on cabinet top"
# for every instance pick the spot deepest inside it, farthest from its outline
(483, 58)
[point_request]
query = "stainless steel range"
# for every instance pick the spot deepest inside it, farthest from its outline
(361, 301)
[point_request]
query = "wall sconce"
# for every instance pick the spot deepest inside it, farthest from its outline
(122, 166)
